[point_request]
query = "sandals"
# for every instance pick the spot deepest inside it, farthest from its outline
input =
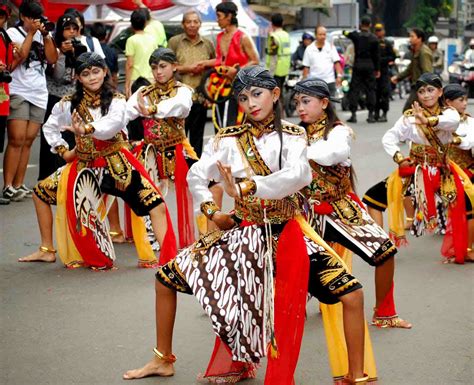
(360, 380)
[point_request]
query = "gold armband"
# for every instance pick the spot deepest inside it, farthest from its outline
(247, 187)
(433, 121)
(152, 109)
(60, 150)
(209, 208)
(398, 157)
(456, 140)
(88, 129)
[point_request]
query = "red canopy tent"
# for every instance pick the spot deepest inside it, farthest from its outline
(55, 8)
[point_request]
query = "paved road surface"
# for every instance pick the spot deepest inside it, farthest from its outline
(66, 327)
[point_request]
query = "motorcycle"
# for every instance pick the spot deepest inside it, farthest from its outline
(462, 73)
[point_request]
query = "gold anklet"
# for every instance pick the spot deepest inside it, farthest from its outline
(362, 380)
(115, 233)
(45, 249)
(171, 358)
(410, 219)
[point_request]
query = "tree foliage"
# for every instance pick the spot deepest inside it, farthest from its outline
(427, 13)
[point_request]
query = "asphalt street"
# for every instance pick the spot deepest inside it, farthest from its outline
(64, 327)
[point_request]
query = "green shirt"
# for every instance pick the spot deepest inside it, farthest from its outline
(156, 29)
(140, 47)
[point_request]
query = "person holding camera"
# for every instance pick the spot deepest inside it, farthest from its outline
(28, 94)
(8, 60)
(60, 80)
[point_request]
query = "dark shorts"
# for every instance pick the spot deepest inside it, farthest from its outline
(140, 195)
(376, 196)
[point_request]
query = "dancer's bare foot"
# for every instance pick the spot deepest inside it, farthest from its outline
(156, 367)
(117, 237)
(470, 256)
(43, 254)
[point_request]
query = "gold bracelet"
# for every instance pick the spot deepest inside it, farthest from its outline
(247, 187)
(433, 121)
(60, 150)
(209, 208)
(398, 157)
(88, 129)
(152, 109)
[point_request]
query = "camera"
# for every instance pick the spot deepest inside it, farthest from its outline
(48, 25)
(5, 77)
(79, 48)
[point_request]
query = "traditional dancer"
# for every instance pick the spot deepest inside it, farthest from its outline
(433, 183)
(336, 212)
(461, 151)
(262, 164)
(166, 104)
(99, 164)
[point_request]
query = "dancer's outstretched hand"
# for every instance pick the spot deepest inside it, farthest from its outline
(420, 118)
(228, 180)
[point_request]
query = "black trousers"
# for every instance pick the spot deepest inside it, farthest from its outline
(194, 126)
(49, 162)
(363, 81)
(383, 93)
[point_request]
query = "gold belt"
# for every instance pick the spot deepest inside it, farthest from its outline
(162, 145)
(254, 209)
(463, 158)
(95, 154)
(421, 153)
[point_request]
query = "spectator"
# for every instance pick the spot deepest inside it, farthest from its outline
(7, 63)
(29, 96)
(438, 55)
(60, 80)
(366, 69)
(234, 50)
(297, 57)
(421, 62)
(138, 50)
(469, 54)
(92, 44)
(278, 51)
(321, 59)
(153, 27)
(193, 52)
(387, 58)
(100, 33)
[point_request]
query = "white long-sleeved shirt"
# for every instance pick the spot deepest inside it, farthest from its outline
(177, 106)
(405, 130)
(336, 149)
(466, 132)
(106, 127)
(295, 172)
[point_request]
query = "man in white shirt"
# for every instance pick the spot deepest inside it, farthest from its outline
(321, 59)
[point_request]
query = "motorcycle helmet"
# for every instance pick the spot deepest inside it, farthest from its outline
(307, 35)
(433, 40)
